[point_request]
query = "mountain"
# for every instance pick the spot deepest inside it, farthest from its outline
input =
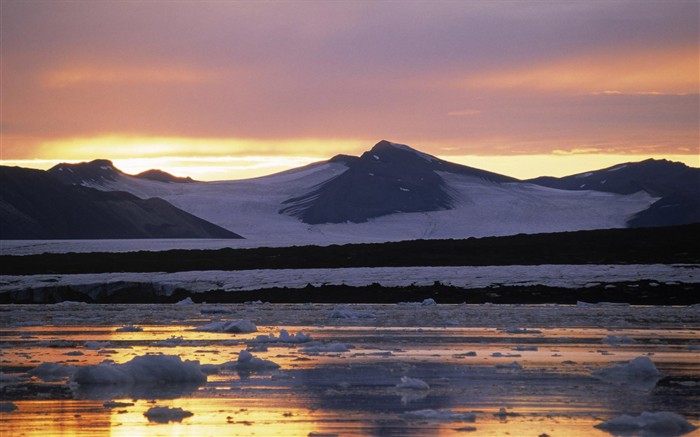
(391, 192)
(102, 171)
(390, 178)
(161, 176)
(675, 184)
(35, 204)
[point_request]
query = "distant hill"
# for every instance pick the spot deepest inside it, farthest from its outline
(676, 184)
(34, 204)
(103, 170)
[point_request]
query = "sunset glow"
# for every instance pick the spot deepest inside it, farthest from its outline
(238, 89)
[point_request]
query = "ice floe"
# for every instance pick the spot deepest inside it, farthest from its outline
(52, 371)
(662, 423)
(166, 414)
(248, 362)
(413, 384)
(316, 349)
(142, 369)
(129, 328)
(639, 373)
(233, 326)
(284, 337)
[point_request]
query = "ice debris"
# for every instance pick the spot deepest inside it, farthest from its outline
(234, 326)
(662, 423)
(440, 415)
(413, 383)
(115, 404)
(185, 301)
(640, 373)
(284, 337)
(248, 362)
(142, 369)
(129, 328)
(516, 330)
(52, 371)
(166, 414)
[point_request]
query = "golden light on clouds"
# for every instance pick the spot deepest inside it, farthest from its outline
(118, 74)
(643, 72)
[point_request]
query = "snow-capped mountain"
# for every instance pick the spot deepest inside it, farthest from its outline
(675, 184)
(391, 192)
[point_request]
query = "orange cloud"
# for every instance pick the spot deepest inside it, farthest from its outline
(643, 72)
(70, 76)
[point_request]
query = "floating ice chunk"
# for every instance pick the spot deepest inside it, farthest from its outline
(7, 407)
(350, 314)
(235, 327)
(413, 383)
(512, 366)
(502, 413)
(284, 337)
(248, 362)
(440, 416)
(639, 373)
(615, 340)
(186, 301)
(94, 345)
(428, 302)
(661, 423)
(129, 328)
(321, 348)
(52, 371)
(114, 404)
(171, 342)
(74, 354)
(166, 414)
(142, 369)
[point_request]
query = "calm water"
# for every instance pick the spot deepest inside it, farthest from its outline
(453, 348)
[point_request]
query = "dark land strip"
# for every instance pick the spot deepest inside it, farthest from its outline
(665, 245)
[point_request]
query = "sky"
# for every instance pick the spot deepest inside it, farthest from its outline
(234, 89)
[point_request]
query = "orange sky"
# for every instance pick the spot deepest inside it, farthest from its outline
(238, 89)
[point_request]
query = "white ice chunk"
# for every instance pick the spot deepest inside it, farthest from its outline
(639, 373)
(284, 337)
(52, 371)
(661, 423)
(248, 362)
(413, 383)
(235, 326)
(142, 369)
(186, 301)
(166, 414)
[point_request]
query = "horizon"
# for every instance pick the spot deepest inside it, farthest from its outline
(223, 91)
(513, 166)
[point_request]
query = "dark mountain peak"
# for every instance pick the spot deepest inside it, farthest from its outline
(386, 150)
(98, 170)
(162, 176)
(343, 159)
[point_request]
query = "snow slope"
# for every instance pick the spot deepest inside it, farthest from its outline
(480, 208)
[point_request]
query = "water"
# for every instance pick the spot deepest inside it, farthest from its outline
(453, 348)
